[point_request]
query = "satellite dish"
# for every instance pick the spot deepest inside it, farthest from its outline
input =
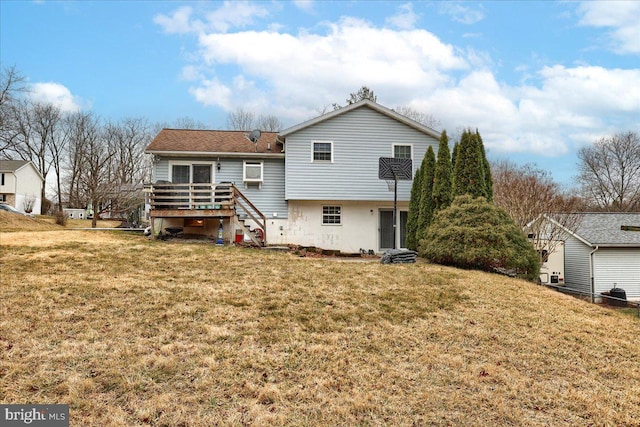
(254, 136)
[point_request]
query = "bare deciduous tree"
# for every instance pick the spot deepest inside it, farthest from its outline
(527, 193)
(78, 127)
(240, 120)
(428, 120)
(186, 122)
(609, 173)
(12, 86)
(38, 136)
(269, 123)
(107, 164)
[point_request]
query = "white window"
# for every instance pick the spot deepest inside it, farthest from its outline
(252, 171)
(403, 151)
(322, 151)
(331, 215)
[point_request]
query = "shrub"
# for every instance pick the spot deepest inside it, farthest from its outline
(61, 218)
(475, 234)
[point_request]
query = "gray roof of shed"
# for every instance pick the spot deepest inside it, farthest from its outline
(12, 165)
(604, 229)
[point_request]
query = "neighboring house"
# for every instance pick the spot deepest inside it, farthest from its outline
(604, 252)
(74, 213)
(313, 184)
(21, 185)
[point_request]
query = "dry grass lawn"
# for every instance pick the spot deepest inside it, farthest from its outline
(130, 331)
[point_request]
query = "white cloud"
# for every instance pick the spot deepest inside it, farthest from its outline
(621, 17)
(405, 19)
(350, 54)
(461, 12)
(213, 92)
(179, 22)
(56, 94)
(232, 14)
(306, 5)
(293, 76)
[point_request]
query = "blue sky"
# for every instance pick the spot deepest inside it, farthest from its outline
(539, 79)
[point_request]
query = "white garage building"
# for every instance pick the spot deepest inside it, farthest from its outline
(604, 252)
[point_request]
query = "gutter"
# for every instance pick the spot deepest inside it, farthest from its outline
(591, 273)
(225, 154)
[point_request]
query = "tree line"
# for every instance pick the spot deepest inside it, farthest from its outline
(96, 163)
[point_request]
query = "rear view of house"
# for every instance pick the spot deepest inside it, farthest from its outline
(313, 184)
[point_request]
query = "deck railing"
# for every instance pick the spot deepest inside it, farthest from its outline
(210, 198)
(190, 196)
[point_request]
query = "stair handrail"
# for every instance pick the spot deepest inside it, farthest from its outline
(236, 198)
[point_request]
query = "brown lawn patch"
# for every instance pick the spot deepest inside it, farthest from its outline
(130, 331)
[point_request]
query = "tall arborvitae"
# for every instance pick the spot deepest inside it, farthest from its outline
(468, 171)
(454, 154)
(411, 239)
(442, 180)
(426, 200)
(488, 179)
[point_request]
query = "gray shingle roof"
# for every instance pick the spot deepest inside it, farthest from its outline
(603, 229)
(12, 165)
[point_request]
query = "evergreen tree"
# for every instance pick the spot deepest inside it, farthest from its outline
(454, 155)
(411, 239)
(426, 200)
(442, 180)
(488, 179)
(469, 177)
(473, 233)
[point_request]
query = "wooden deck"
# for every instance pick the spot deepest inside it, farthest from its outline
(203, 200)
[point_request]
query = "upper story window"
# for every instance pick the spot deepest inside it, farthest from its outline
(322, 151)
(252, 171)
(402, 151)
(2, 183)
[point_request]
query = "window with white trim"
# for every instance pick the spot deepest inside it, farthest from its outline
(331, 215)
(402, 151)
(322, 151)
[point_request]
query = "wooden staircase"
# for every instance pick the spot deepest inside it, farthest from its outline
(252, 212)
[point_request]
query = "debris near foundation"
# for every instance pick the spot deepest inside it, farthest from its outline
(399, 256)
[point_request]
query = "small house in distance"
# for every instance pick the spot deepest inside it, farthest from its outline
(21, 185)
(313, 184)
(603, 252)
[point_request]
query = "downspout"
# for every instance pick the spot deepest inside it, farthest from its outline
(591, 273)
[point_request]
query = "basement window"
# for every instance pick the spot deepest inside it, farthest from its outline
(331, 215)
